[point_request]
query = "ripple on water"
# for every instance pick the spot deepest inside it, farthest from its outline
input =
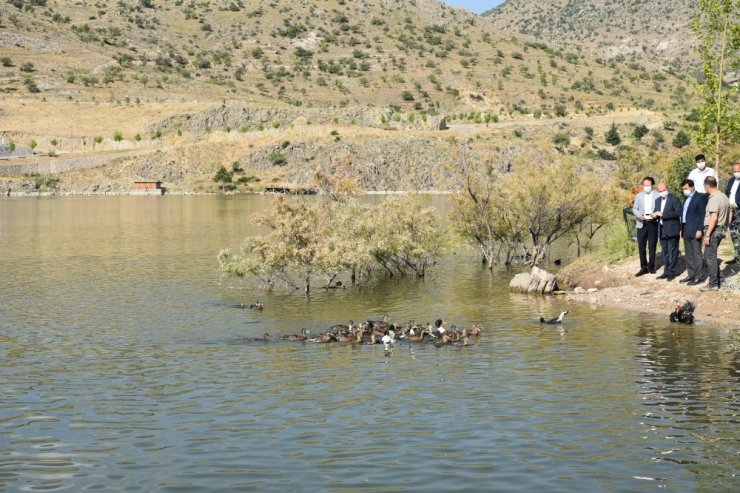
(139, 377)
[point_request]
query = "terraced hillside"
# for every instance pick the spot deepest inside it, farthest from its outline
(656, 33)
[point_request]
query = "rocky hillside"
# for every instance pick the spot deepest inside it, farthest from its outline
(281, 87)
(655, 33)
(417, 55)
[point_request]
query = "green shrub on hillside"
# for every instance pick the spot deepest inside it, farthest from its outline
(612, 135)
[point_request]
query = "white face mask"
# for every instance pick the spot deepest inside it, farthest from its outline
(701, 165)
(664, 194)
(736, 175)
(686, 193)
(647, 189)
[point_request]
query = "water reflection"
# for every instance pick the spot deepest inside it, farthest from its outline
(690, 412)
(125, 368)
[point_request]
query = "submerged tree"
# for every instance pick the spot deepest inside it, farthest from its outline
(338, 234)
(718, 29)
(479, 214)
(529, 209)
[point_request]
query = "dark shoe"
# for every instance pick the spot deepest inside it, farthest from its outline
(686, 279)
(642, 272)
(662, 276)
(695, 282)
(669, 278)
(709, 288)
(652, 271)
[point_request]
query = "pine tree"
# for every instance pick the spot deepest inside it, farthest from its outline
(223, 177)
(612, 136)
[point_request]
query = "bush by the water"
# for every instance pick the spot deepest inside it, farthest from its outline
(617, 244)
(338, 235)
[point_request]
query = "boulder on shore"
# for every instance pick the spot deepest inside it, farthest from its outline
(538, 281)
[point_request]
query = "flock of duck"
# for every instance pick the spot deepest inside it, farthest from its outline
(385, 332)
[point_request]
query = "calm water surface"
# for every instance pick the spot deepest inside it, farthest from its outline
(125, 369)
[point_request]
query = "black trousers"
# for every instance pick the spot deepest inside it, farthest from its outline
(694, 258)
(669, 248)
(647, 239)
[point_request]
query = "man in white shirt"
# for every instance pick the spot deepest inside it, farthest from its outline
(733, 194)
(700, 173)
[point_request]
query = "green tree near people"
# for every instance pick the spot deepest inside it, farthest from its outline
(718, 29)
(494, 211)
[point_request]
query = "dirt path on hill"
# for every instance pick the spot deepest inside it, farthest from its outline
(580, 121)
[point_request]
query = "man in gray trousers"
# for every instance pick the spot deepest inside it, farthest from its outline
(692, 230)
(715, 224)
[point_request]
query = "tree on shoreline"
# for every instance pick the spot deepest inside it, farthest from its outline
(224, 177)
(529, 209)
(718, 30)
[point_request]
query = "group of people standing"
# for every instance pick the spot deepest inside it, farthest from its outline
(703, 221)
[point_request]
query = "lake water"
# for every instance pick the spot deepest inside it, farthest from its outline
(124, 368)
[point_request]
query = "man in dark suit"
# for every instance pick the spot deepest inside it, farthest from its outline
(733, 193)
(692, 219)
(668, 210)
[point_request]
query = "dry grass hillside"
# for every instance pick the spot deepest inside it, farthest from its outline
(655, 33)
(209, 83)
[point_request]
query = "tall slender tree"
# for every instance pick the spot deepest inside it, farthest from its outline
(718, 31)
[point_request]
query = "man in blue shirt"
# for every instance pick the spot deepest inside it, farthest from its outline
(692, 230)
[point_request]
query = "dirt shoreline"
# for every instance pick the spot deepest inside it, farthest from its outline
(617, 287)
(116, 193)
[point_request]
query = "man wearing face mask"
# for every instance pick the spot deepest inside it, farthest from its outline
(733, 194)
(715, 222)
(692, 219)
(668, 211)
(701, 172)
(647, 226)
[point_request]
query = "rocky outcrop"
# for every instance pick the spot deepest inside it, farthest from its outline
(538, 281)
(236, 117)
(61, 165)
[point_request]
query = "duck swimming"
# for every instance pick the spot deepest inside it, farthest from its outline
(297, 337)
(555, 320)
(266, 337)
(323, 338)
(464, 342)
(438, 326)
